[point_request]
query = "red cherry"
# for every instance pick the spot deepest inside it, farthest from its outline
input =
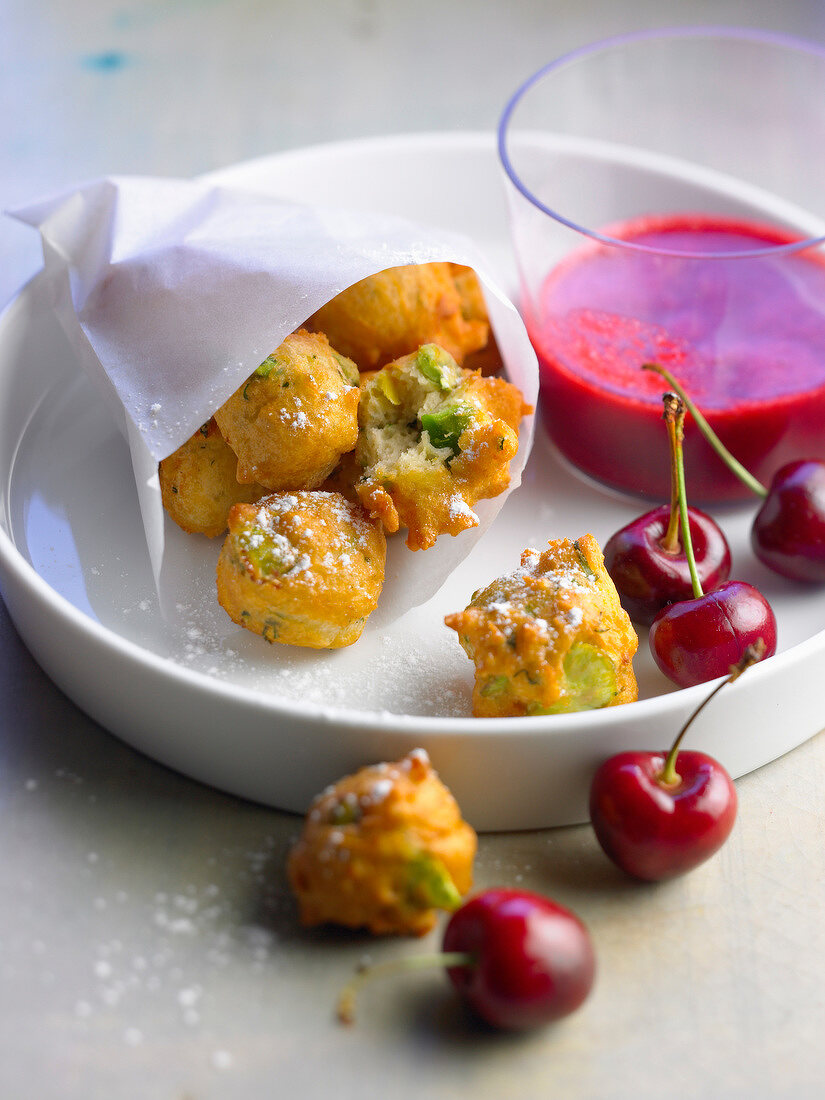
(698, 640)
(654, 830)
(657, 815)
(648, 577)
(647, 561)
(788, 533)
(533, 960)
(518, 959)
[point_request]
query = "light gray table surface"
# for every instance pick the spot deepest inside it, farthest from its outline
(149, 946)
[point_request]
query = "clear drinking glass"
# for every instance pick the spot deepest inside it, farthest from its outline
(667, 202)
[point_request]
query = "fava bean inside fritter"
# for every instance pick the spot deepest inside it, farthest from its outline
(434, 439)
(550, 638)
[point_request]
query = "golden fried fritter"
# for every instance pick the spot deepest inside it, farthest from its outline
(198, 485)
(383, 849)
(486, 358)
(551, 637)
(291, 421)
(434, 439)
(392, 313)
(471, 296)
(303, 568)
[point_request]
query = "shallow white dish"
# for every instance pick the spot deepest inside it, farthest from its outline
(274, 724)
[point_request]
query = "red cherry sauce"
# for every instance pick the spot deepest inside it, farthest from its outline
(745, 335)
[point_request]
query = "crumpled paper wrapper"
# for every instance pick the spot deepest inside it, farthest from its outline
(171, 292)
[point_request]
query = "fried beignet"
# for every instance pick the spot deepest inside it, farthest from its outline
(434, 439)
(291, 421)
(486, 358)
(303, 568)
(550, 638)
(390, 314)
(198, 485)
(383, 849)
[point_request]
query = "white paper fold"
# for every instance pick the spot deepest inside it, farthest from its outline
(171, 292)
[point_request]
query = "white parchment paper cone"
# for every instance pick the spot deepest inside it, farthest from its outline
(171, 293)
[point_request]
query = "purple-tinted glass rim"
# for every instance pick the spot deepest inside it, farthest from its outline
(739, 34)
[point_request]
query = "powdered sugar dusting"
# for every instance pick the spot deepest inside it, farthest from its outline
(153, 952)
(460, 509)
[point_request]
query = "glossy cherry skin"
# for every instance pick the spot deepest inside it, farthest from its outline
(534, 960)
(654, 831)
(698, 640)
(788, 533)
(648, 577)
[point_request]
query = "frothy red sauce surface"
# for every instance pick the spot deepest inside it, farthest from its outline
(744, 334)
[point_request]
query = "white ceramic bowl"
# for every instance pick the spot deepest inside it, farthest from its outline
(276, 725)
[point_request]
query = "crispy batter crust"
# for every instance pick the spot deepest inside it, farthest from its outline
(393, 312)
(551, 637)
(303, 568)
(383, 849)
(291, 421)
(198, 484)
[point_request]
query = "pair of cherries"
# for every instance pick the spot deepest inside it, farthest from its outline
(671, 566)
(672, 573)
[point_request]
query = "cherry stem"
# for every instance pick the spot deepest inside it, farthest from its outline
(670, 540)
(736, 467)
(669, 777)
(675, 411)
(345, 1008)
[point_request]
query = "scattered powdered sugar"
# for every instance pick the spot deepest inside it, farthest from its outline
(379, 791)
(133, 1036)
(388, 674)
(410, 667)
(143, 975)
(459, 508)
(500, 607)
(572, 582)
(298, 419)
(336, 523)
(277, 504)
(302, 563)
(222, 1059)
